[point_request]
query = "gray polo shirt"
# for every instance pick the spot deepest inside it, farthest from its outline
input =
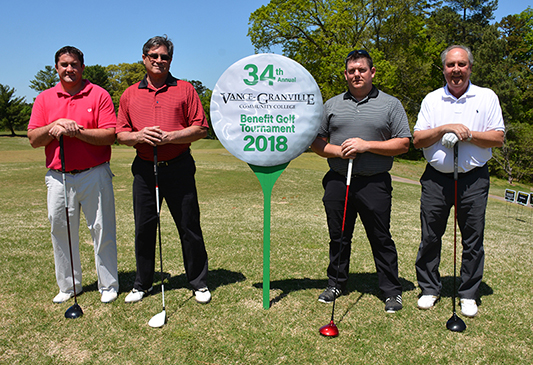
(378, 117)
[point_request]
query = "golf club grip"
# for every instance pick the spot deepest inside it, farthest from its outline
(455, 161)
(62, 153)
(155, 161)
(349, 173)
(156, 177)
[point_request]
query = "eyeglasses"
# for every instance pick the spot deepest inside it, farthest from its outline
(361, 52)
(155, 56)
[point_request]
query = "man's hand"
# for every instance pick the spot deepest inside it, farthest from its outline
(66, 127)
(151, 135)
(449, 140)
(352, 146)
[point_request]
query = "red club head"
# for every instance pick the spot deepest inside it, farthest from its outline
(329, 330)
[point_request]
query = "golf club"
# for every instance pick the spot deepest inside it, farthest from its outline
(75, 310)
(331, 330)
(455, 323)
(159, 319)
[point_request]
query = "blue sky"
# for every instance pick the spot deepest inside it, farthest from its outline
(209, 35)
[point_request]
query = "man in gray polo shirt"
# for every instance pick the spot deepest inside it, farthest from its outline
(370, 127)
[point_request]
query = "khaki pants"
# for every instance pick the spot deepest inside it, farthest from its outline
(91, 191)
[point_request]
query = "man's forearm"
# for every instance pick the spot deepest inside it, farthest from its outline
(324, 149)
(40, 137)
(97, 137)
(391, 147)
(187, 135)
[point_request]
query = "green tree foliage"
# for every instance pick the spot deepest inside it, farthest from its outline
(44, 79)
(14, 112)
(205, 97)
(460, 22)
(508, 70)
(122, 76)
(518, 32)
(98, 75)
(514, 160)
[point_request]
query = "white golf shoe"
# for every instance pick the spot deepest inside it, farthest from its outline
(469, 307)
(108, 295)
(427, 301)
(137, 295)
(202, 295)
(62, 297)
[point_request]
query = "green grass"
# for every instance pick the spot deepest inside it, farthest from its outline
(234, 328)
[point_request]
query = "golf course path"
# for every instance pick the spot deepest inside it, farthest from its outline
(409, 181)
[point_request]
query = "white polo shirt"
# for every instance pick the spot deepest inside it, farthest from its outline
(478, 109)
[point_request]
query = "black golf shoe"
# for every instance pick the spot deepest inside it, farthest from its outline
(329, 294)
(393, 304)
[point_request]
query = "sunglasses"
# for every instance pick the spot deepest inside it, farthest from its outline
(361, 52)
(155, 56)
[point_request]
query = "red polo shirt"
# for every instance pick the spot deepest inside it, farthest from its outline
(92, 108)
(174, 106)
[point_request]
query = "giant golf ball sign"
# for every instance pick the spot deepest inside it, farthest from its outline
(266, 109)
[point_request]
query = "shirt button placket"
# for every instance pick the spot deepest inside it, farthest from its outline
(157, 108)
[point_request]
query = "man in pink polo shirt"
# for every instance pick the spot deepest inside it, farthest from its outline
(165, 112)
(84, 115)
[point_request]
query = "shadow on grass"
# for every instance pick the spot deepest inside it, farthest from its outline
(447, 288)
(14, 135)
(216, 278)
(364, 283)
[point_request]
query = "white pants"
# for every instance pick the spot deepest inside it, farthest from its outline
(91, 191)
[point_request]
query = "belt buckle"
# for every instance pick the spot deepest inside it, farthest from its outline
(162, 163)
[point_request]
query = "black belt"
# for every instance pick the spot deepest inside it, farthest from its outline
(172, 161)
(450, 174)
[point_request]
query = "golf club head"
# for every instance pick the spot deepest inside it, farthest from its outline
(455, 324)
(74, 312)
(158, 320)
(329, 330)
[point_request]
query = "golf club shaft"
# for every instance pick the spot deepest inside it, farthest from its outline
(156, 174)
(348, 180)
(62, 156)
(455, 178)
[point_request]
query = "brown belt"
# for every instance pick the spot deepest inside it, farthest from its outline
(75, 172)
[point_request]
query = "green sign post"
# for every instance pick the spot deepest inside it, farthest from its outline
(267, 177)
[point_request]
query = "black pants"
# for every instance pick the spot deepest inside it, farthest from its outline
(178, 187)
(438, 195)
(370, 197)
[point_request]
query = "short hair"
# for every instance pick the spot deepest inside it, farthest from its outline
(464, 48)
(69, 50)
(158, 41)
(357, 54)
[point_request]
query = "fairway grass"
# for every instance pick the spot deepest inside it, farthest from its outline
(234, 328)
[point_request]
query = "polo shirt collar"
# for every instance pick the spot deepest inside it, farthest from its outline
(470, 92)
(87, 87)
(170, 81)
(371, 95)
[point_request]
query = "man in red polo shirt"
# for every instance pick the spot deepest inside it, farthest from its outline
(84, 115)
(165, 112)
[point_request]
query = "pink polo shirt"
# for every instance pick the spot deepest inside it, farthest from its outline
(92, 108)
(174, 106)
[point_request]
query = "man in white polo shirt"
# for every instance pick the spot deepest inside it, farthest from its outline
(463, 113)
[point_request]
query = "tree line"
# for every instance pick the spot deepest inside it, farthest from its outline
(404, 37)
